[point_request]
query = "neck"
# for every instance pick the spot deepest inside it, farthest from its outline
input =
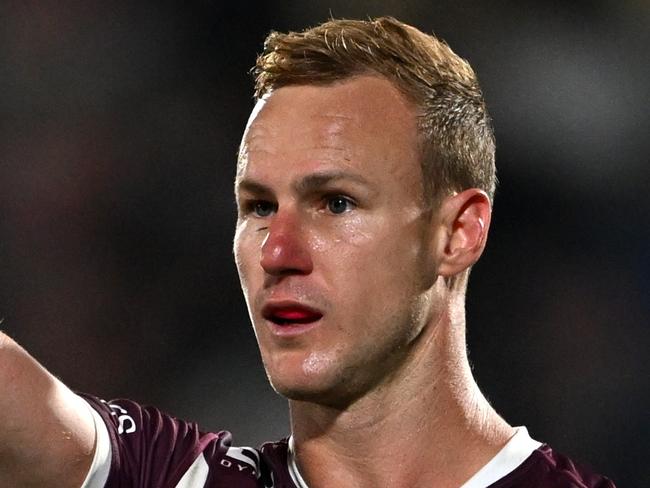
(428, 425)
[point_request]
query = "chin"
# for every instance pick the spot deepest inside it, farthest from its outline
(327, 389)
(294, 390)
(323, 397)
(298, 385)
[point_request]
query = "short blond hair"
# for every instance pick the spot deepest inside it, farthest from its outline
(455, 131)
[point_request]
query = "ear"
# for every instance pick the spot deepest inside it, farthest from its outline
(464, 221)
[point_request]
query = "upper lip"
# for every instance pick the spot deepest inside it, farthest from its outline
(273, 310)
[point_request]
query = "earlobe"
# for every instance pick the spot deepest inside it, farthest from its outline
(465, 220)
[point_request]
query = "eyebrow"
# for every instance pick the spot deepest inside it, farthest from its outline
(307, 184)
(317, 180)
(252, 187)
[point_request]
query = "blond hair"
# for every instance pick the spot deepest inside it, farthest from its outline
(455, 131)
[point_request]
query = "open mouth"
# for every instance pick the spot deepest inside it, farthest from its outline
(291, 315)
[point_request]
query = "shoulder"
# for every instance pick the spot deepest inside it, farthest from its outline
(151, 448)
(547, 468)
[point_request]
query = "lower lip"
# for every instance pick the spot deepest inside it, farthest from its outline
(293, 329)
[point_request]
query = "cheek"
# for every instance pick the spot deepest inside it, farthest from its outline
(343, 256)
(341, 238)
(246, 253)
(381, 246)
(378, 266)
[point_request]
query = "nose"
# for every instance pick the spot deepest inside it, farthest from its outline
(285, 249)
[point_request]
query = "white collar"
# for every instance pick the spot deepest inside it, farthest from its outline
(516, 451)
(296, 477)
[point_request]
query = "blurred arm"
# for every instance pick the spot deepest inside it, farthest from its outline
(47, 434)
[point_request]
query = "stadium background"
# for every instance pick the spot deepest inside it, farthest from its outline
(118, 132)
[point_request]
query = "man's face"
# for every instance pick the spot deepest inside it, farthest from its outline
(333, 242)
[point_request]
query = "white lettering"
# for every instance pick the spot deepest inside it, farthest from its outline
(122, 419)
(116, 407)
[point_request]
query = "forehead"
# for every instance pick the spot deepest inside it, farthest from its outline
(363, 122)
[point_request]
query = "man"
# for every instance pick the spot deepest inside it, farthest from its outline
(364, 188)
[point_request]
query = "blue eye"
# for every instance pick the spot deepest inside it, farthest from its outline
(339, 204)
(262, 208)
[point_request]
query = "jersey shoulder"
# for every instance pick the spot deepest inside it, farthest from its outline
(547, 468)
(150, 448)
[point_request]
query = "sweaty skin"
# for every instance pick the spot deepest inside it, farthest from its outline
(332, 218)
(305, 252)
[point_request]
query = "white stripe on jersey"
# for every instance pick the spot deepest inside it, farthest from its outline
(101, 465)
(296, 477)
(516, 451)
(196, 475)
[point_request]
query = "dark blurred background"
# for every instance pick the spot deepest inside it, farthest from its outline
(119, 124)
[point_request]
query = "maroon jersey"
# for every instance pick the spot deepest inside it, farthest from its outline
(146, 448)
(545, 468)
